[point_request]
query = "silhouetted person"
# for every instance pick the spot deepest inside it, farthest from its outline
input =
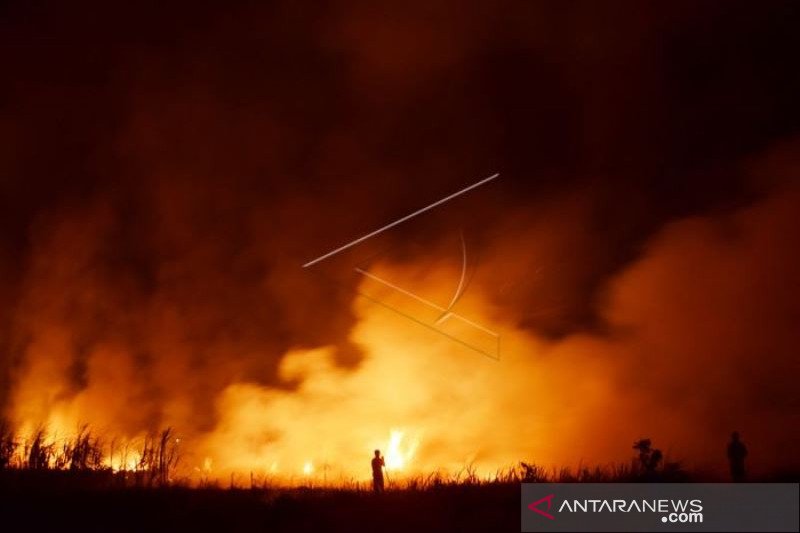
(736, 454)
(377, 472)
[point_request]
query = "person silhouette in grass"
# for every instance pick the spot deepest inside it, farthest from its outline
(737, 451)
(377, 472)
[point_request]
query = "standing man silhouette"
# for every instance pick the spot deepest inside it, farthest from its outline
(736, 454)
(377, 472)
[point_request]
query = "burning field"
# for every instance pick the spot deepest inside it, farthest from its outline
(429, 402)
(629, 269)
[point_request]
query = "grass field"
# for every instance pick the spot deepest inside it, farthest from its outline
(68, 486)
(89, 501)
(451, 508)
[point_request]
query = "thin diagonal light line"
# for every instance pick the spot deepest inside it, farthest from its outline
(341, 286)
(437, 330)
(426, 302)
(400, 289)
(400, 220)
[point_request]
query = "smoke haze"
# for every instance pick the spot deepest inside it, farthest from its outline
(637, 256)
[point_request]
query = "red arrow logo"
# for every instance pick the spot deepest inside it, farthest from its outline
(549, 499)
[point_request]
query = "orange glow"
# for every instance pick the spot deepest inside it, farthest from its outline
(124, 461)
(399, 452)
(427, 402)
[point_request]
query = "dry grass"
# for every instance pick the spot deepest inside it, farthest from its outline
(153, 461)
(85, 452)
